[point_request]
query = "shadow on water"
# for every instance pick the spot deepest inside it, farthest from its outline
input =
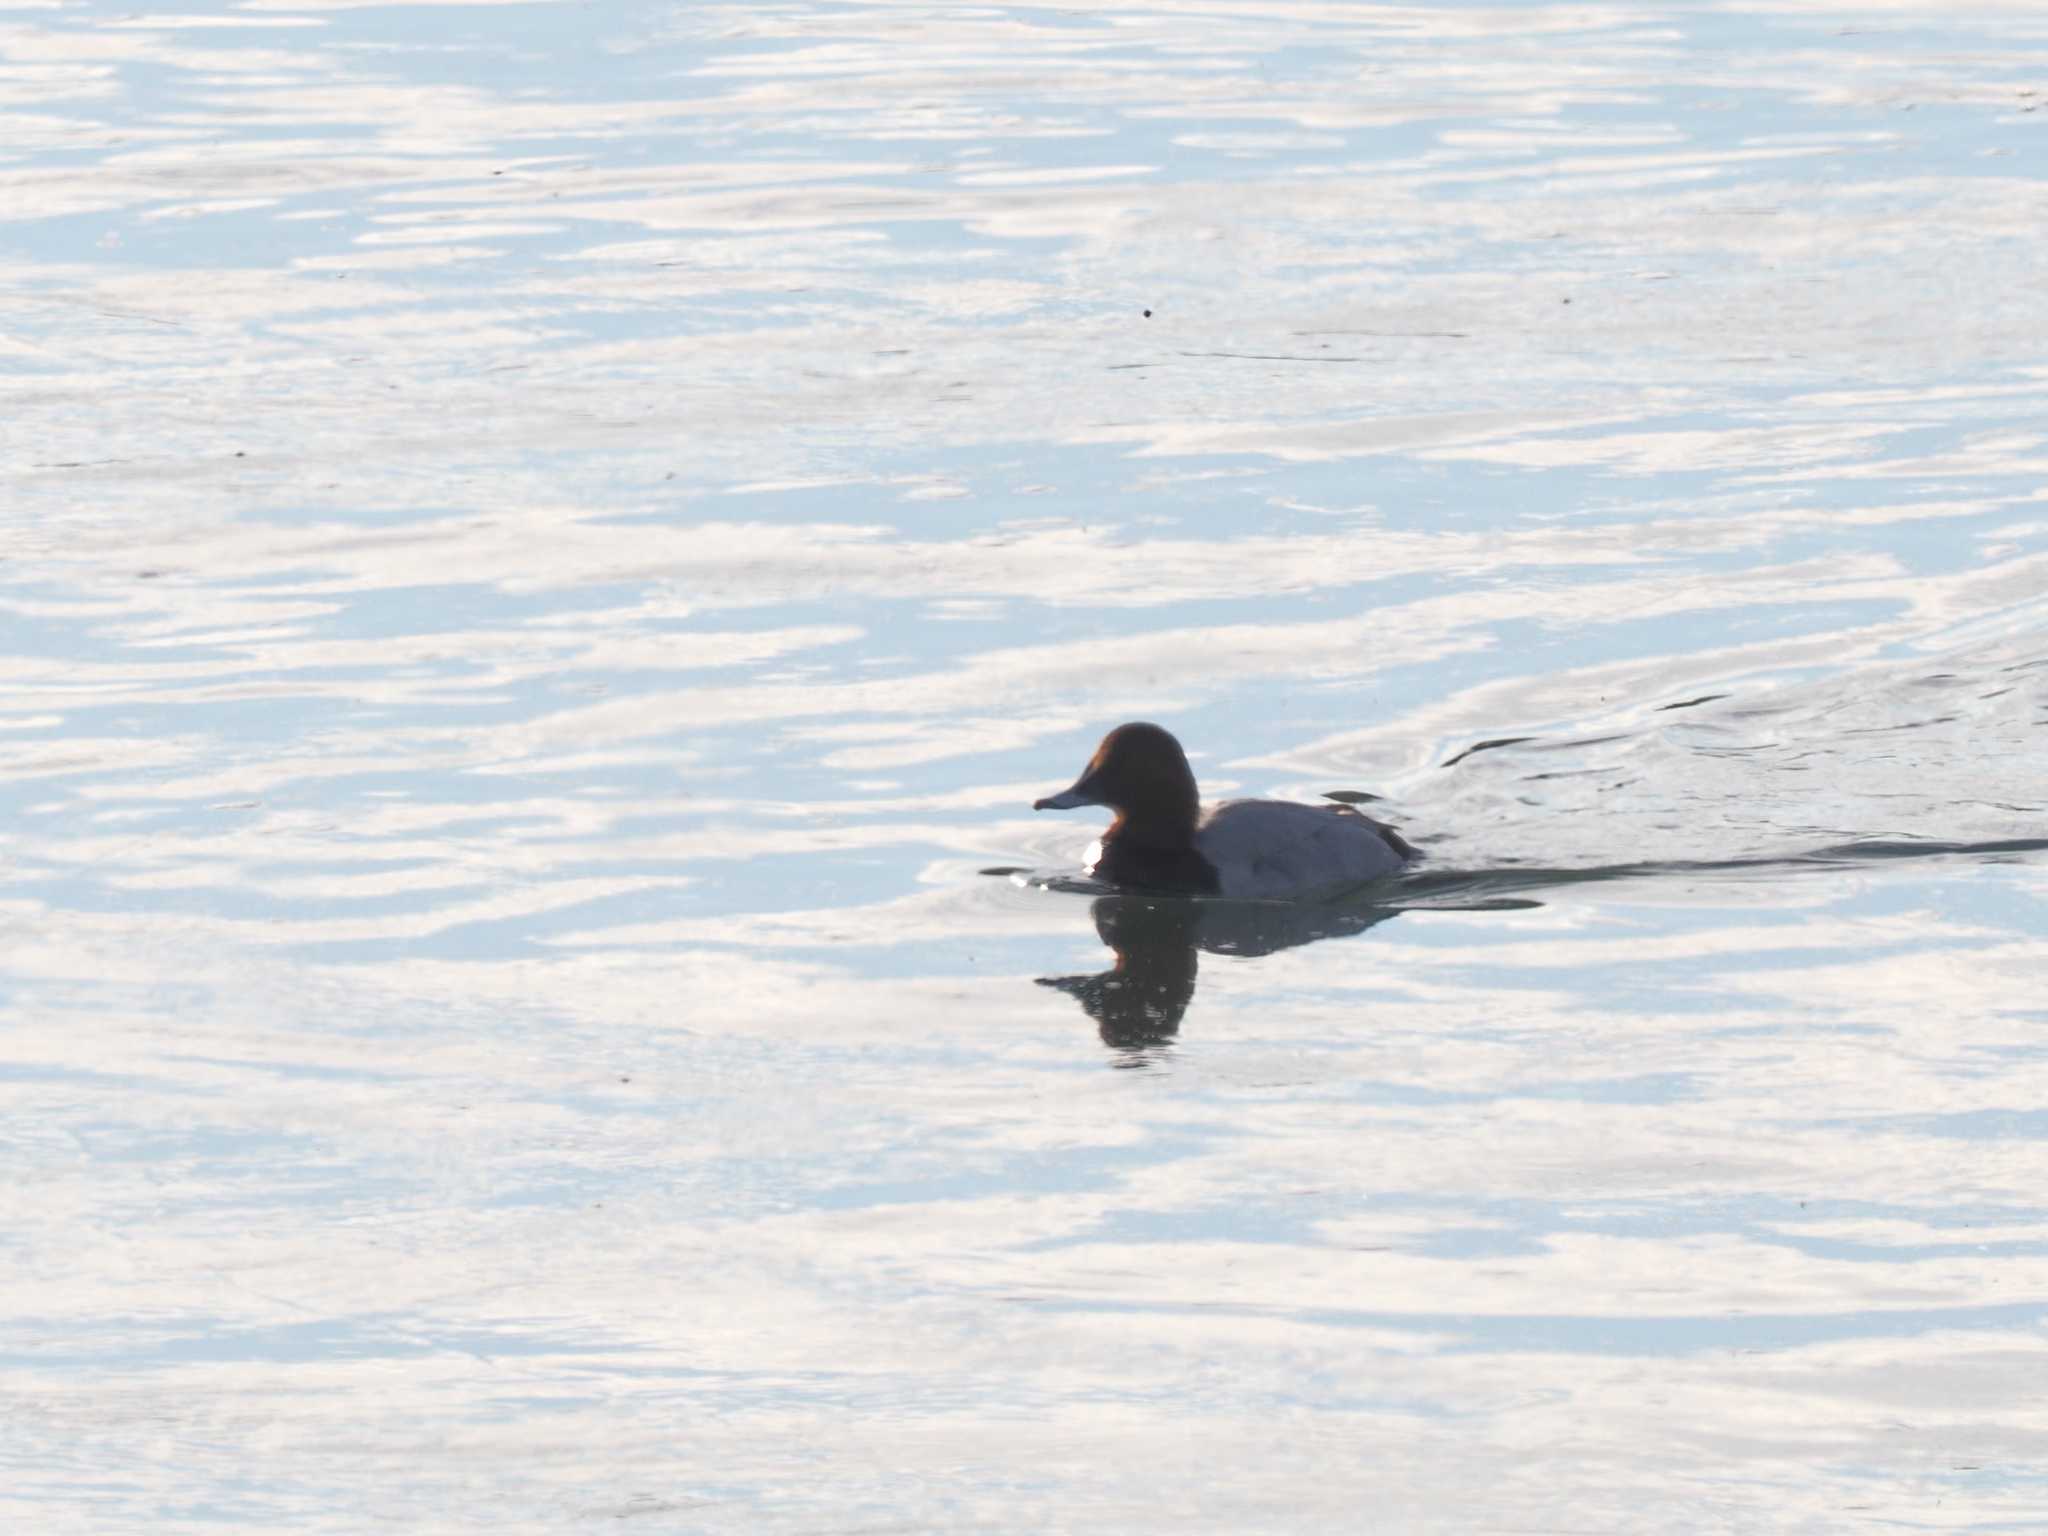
(1463, 890)
(1139, 1002)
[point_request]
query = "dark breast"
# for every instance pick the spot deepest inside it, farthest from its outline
(1181, 871)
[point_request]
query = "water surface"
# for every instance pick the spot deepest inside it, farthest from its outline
(547, 548)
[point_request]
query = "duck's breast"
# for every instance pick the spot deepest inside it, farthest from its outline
(1277, 849)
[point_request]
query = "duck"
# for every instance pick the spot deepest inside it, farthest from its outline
(1255, 850)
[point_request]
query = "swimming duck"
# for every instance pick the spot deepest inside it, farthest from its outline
(1252, 849)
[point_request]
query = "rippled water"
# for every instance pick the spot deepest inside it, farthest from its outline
(547, 549)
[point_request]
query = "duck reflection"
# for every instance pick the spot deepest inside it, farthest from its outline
(1139, 1001)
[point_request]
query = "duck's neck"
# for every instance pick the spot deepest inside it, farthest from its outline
(1151, 842)
(1161, 826)
(1156, 855)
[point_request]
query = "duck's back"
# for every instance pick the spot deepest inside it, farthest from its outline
(1278, 849)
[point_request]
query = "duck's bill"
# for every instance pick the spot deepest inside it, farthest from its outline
(1065, 800)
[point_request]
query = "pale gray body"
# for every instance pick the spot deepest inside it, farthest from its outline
(1265, 850)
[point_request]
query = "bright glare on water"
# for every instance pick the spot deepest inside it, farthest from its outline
(547, 550)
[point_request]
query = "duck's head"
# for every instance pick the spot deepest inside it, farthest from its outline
(1141, 773)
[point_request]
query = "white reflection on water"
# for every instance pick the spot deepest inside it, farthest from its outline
(545, 546)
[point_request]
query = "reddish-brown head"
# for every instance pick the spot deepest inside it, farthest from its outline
(1141, 773)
